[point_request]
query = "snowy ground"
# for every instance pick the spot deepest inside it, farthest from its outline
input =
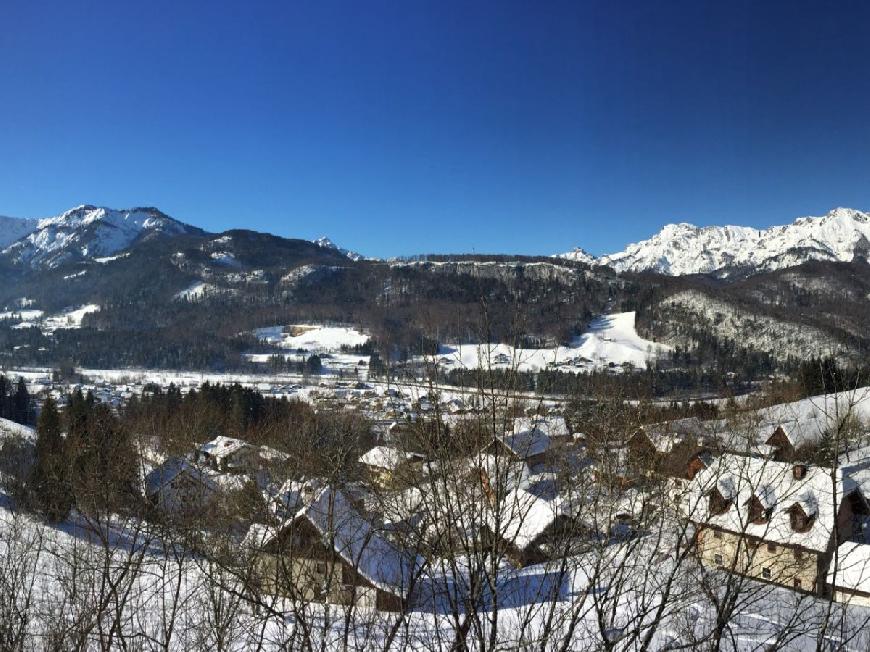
(297, 342)
(611, 341)
(312, 337)
(150, 584)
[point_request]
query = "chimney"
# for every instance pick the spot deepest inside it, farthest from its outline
(799, 471)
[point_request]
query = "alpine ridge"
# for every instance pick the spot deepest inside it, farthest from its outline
(681, 249)
(85, 232)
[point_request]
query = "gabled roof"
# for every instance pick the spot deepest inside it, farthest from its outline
(773, 483)
(353, 538)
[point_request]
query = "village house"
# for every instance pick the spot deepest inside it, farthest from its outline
(666, 449)
(230, 455)
(327, 552)
(773, 521)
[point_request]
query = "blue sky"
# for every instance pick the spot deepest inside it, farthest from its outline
(406, 127)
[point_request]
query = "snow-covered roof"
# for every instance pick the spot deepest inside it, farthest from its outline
(289, 497)
(386, 457)
(850, 568)
(739, 478)
(523, 517)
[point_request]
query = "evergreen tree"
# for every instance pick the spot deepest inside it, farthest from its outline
(105, 462)
(49, 480)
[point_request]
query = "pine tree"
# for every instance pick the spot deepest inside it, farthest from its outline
(49, 481)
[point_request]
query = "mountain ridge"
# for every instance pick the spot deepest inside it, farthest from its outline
(682, 248)
(87, 232)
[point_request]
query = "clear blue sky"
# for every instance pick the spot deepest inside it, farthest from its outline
(405, 127)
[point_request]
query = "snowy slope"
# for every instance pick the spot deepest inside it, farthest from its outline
(88, 232)
(13, 228)
(611, 340)
(680, 249)
(11, 429)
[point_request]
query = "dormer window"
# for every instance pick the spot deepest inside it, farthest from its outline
(718, 503)
(800, 520)
(758, 513)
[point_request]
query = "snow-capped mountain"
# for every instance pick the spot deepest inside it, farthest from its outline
(580, 255)
(680, 249)
(325, 243)
(85, 232)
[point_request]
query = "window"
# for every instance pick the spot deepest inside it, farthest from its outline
(797, 583)
(717, 559)
(320, 568)
(765, 572)
(798, 554)
(771, 547)
(717, 534)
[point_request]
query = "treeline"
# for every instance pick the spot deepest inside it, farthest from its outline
(181, 420)
(824, 375)
(656, 381)
(88, 457)
(175, 423)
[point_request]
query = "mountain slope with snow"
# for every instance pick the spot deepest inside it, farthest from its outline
(679, 249)
(325, 243)
(13, 228)
(87, 232)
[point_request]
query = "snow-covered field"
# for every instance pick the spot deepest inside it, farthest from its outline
(33, 318)
(611, 340)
